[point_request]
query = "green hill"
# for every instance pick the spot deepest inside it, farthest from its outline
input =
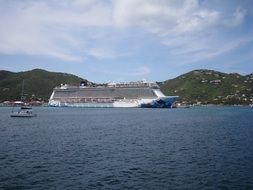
(38, 83)
(210, 87)
(205, 86)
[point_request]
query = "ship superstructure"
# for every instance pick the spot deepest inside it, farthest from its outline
(133, 94)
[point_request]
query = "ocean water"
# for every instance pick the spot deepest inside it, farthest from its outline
(71, 148)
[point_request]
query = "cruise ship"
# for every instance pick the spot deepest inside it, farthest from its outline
(141, 94)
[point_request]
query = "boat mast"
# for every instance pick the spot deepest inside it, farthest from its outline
(22, 91)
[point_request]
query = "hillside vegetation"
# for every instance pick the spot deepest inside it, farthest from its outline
(198, 86)
(39, 83)
(210, 87)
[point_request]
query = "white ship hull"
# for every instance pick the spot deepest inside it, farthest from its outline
(117, 104)
(143, 103)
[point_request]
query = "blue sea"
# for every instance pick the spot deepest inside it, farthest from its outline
(78, 148)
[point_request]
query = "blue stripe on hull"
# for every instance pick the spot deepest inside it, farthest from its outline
(163, 102)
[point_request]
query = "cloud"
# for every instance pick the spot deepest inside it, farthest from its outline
(164, 17)
(218, 49)
(104, 53)
(138, 72)
(67, 30)
(239, 15)
(174, 17)
(200, 48)
(141, 71)
(39, 28)
(186, 27)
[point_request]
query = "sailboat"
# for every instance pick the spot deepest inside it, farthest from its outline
(24, 110)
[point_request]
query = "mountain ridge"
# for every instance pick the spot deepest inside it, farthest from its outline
(210, 87)
(39, 83)
(197, 86)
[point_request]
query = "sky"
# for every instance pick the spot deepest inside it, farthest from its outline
(126, 40)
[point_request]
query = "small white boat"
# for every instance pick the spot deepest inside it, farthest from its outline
(24, 111)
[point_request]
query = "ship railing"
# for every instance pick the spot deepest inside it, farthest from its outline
(129, 85)
(133, 85)
(85, 100)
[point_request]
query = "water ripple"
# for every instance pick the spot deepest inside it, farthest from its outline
(199, 148)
